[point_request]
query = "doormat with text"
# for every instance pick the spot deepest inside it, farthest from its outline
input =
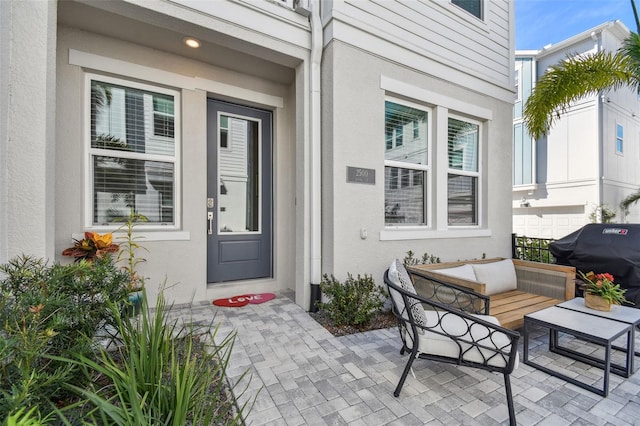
(245, 299)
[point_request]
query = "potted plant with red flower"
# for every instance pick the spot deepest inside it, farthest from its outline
(601, 291)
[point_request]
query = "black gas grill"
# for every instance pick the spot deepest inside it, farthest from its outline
(599, 247)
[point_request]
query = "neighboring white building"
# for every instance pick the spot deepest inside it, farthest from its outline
(300, 138)
(589, 159)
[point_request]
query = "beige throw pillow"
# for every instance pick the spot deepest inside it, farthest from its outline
(498, 276)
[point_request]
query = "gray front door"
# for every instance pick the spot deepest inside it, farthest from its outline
(239, 193)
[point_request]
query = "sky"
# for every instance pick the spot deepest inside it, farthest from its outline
(542, 22)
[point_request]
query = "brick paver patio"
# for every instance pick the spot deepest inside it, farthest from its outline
(303, 375)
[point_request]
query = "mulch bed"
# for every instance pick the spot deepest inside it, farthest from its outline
(382, 320)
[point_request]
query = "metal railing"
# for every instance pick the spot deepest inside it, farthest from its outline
(534, 249)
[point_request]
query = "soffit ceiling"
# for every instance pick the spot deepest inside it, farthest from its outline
(167, 34)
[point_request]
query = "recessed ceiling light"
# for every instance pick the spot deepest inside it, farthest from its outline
(192, 42)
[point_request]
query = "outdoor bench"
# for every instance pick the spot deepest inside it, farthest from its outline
(508, 288)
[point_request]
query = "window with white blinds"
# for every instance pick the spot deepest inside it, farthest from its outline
(462, 181)
(406, 164)
(133, 152)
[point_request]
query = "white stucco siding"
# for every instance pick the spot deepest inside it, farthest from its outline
(176, 258)
(27, 144)
(356, 137)
(5, 85)
(435, 36)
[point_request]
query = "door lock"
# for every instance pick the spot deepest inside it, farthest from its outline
(210, 219)
(210, 203)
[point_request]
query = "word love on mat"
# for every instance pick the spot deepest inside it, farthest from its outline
(245, 299)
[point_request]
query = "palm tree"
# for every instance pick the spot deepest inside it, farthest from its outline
(581, 76)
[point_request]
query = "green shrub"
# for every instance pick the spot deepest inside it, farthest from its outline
(410, 260)
(162, 374)
(50, 310)
(354, 302)
(533, 249)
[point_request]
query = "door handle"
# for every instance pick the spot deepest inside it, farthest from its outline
(210, 219)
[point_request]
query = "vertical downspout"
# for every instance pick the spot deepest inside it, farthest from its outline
(315, 251)
(597, 38)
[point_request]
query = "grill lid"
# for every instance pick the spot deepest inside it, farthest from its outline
(604, 247)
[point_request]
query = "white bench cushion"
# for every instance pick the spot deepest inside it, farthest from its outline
(498, 276)
(433, 343)
(465, 272)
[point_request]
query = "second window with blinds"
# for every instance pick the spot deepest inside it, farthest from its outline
(411, 170)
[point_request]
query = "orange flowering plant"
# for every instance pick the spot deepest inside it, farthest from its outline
(91, 246)
(603, 285)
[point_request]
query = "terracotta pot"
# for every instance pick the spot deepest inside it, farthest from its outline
(596, 302)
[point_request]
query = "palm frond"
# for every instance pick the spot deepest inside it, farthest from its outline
(631, 49)
(573, 79)
(630, 199)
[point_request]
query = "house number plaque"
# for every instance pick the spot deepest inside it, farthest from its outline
(360, 175)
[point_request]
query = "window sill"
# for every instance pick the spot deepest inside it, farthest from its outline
(411, 233)
(145, 236)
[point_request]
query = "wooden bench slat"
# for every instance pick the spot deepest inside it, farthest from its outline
(517, 320)
(517, 303)
(510, 310)
(509, 315)
(506, 296)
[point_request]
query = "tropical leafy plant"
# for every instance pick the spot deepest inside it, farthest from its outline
(162, 374)
(606, 215)
(22, 417)
(91, 246)
(580, 76)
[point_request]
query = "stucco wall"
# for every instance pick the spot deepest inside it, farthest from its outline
(175, 258)
(5, 84)
(353, 130)
(27, 138)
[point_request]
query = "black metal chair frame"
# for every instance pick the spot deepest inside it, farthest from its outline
(467, 301)
(449, 294)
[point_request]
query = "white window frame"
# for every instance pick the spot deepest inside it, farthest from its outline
(90, 152)
(619, 147)
(443, 107)
(477, 174)
(163, 114)
(518, 81)
(425, 168)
